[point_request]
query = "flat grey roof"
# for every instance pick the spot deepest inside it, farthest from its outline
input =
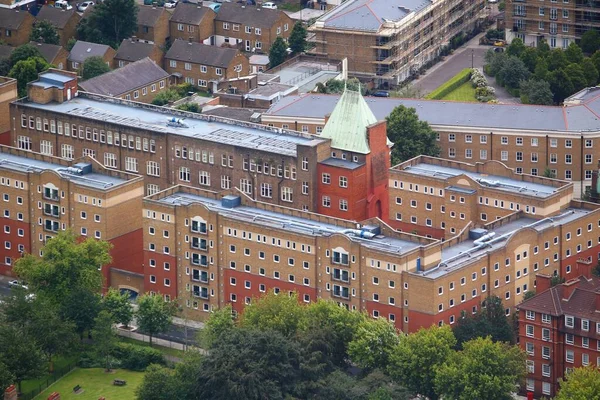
(492, 181)
(26, 164)
(338, 162)
(205, 127)
(575, 119)
(288, 223)
(369, 15)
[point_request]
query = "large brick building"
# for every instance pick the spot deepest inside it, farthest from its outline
(559, 329)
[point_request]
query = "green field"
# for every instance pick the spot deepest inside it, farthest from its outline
(61, 363)
(95, 383)
(465, 92)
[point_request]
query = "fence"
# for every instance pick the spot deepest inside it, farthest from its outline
(43, 385)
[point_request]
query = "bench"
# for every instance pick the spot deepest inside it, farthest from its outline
(119, 382)
(76, 389)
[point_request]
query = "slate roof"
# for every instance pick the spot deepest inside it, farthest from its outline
(125, 79)
(132, 50)
(572, 119)
(11, 19)
(248, 15)
(49, 51)
(82, 50)
(188, 13)
(369, 15)
(149, 15)
(198, 53)
(56, 16)
(5, 51)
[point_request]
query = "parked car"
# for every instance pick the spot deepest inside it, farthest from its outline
(381, 93)
(158, 3)
(269, 5)
(84, 6)
(171, 3)
(63, 4)
(16, 283)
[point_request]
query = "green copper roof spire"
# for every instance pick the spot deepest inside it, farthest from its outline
(347, 125)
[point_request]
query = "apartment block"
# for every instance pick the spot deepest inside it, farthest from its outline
(558, 23)
(530, 139)
(43, 195)
(559, 329)
(387, 41)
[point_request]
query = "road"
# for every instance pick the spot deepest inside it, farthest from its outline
(176, 334)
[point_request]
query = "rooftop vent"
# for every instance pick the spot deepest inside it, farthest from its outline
(231, 201)
(86, 168)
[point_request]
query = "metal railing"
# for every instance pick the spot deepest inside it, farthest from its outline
(50, 379)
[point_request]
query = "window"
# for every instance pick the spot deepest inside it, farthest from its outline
(529, 330)
(569, 321)
(570, 356)
(343, 182)
(153, 168)
(326, 178)
(24, 142)
(131, 164)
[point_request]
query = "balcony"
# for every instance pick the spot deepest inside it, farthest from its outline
(51, 210)
(198, 227)
(339, 258)
(199, 291)
(51, 226)
(51, 194)
(200, 244)
(341, 291)
(200, 260)
(199, 276)
(340, 275)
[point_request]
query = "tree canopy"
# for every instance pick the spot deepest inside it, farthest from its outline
(581, 384)
(590, 41)
(44, 32)
(110, 22)
(277, 52)
(26, 71)
(297, 39)
(118, 305)
(93, 67)
(154, 314)
(410, 135)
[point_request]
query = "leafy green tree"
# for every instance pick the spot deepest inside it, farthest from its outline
(373, 342)
(18, 308)
(4, 66)
(44, 32)
(220, 322)
(530, 58)
(534, 91)
(548, 173)
(154, 315)
(574, 54)
(576, 76)
(27, 71)
(283, 314)
(410, 135)
(489, 321)
(557, 59)
(516, 48)
(23, 53)
(338, 86)
(249, 364)
(105, 337)
(595, 59)
(165, 97)
(528, 295)
(495, 62)
(512, 73)
(590, 71)
(482, 370)
(590, 41)
(190, 107)
(417, 357)
(277, 52)
(110, 22)
(581, 384)
(297, 39)
(159, 384)
(20, 354)
(541, 69)
(118, 305)
(7, 378)
(93, 67)
(70, 44)
(543, 47)
(80, 306)
(561, 85)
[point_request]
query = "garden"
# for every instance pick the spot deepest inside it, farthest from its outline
(469, 85)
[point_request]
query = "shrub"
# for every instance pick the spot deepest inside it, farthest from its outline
(137, 358)
(191, 107)
(452, 84)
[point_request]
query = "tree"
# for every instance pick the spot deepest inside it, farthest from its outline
(249, 364)
(373, 342)
(93, 67)
(23, 53)
(278, 52)
(158, 384)
(44, 32)
(105, 338)
(110, 22)
(590, 41)
(118, 305)
(27, 71)
(528, 295)
(590, 71)
(416, 358)
(548, 173)
(516, 48)
(581, 384)
(283, 314)
(67, 265)
(20, 354)
(154, 315)
(541, 69)
(543, 47)
(297, 39)
(18, 308)
(535, 91)
(489, 321)
(576, 76)
(7, 378)
(530, 58)
(483, 370)
(595, 59)
(495, 62)
(556, 60)
(219, 323)
(80, 306)
(561, 85)
(574, 54)
(512, 72)
(411, 136)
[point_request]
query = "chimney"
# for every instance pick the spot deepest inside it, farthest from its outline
(583, 267)
(542, 283)
(326, 118)
(569, 287)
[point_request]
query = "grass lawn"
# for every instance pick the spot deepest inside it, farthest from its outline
(465, 92)
(60, 363)
(167, 351)
(95, 383)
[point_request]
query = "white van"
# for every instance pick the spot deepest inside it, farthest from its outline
(270, 5)
(63, 4)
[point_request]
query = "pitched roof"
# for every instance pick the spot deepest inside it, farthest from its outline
(133, 50)
(11, 19)
(5, 51)
(347, 125)
(188, 13)
(198, 53)
(125, 79)
(49, 51)
(82, 50)
(56, 16)
(248, 15)
(149, 15)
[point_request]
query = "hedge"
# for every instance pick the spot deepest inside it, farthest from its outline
(455, 82)
(136, 357)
